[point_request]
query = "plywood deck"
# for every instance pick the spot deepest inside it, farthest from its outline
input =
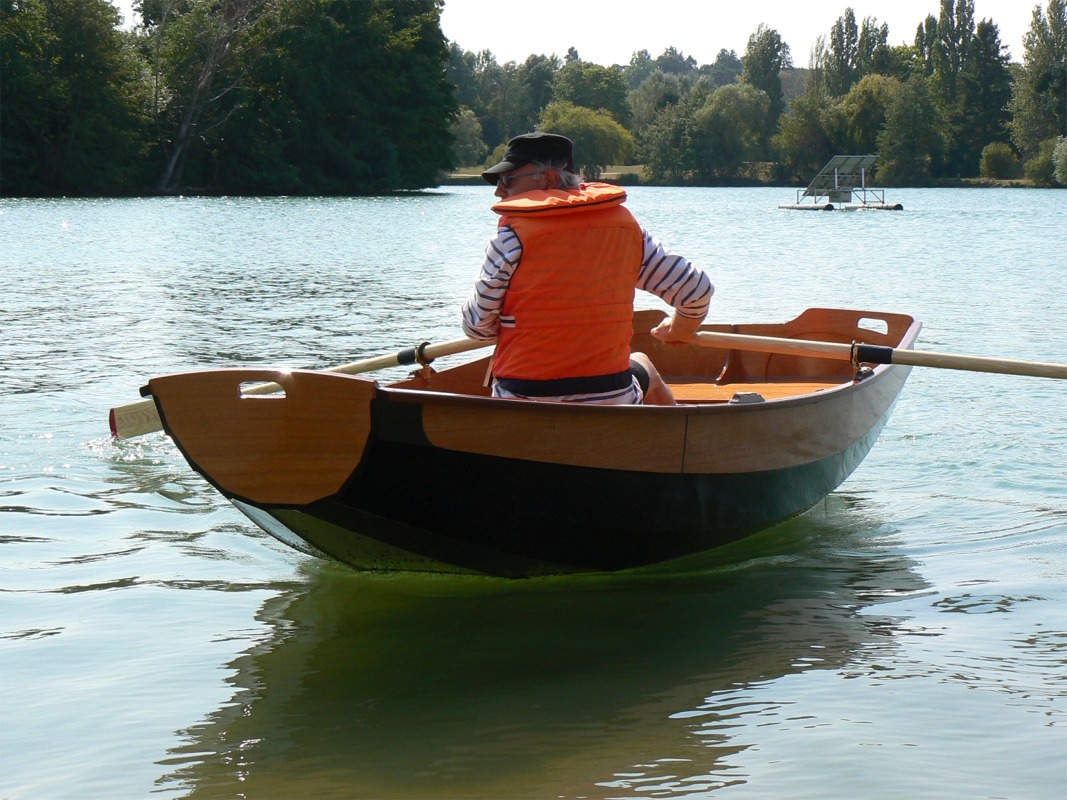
(697, 391)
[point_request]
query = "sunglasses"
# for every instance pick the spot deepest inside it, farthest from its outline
(507, 180)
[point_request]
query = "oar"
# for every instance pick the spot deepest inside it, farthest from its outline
(879, 354)
(136, 419)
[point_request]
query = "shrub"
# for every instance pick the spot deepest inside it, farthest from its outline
(1039, 169)
(999, 162)
(1059, 161)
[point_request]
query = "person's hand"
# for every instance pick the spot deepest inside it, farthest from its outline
(676, 331)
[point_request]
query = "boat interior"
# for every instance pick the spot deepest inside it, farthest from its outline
(712, 375)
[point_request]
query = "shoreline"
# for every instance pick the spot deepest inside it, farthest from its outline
(632, 177)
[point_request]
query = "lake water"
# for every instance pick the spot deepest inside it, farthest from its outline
(905, 639)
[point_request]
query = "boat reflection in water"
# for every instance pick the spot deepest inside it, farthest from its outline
(461, 687)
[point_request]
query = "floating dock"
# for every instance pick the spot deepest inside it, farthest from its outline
(842, 186)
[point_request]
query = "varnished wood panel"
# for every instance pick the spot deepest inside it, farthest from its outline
(286, 448)
(815, 324)
(637, 438)
(788, 433)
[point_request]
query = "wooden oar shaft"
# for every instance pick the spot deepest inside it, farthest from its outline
(772, 344)
(877, 354)
(137, 419)
(926, 358)
(426, 352)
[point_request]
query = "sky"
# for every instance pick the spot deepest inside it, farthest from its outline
(609, 32)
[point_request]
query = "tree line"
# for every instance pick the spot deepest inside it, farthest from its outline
(337, 97)
(950, 106)
(223, 96)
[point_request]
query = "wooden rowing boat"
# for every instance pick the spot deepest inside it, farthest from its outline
(430, 473)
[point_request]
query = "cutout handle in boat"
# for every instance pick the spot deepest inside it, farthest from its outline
(874, 325)
(254, 390)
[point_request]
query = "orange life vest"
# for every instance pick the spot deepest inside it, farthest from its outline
(568, 310)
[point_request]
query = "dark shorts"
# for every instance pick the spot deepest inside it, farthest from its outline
(639, 372)
(594, 384)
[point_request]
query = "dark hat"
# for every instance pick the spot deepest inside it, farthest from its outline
(533, 147)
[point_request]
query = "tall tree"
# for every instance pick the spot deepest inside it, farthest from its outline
(593, 86)
(673, 62)
(639, 69)
(73, 106)
(658, 91)
(536, 79)
(803, 141)
(490, 90)
(910, 144)
(842, 54)
(872, 50)
(864, 110)
(599, 140)
(197, 41)
(765, 58)
(896, 61)
(984, 91)
(462, 73)
(1039, 95)
(728, 130)
(926, 45)
(724, 70)
(854, 51)
(667, 146)
(815, 81)
(955, 29)
(344, 98)
(468, 147)
(496, 83)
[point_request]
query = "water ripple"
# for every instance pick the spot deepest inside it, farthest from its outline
(904, 639)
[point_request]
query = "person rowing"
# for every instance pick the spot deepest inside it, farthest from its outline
(558, 283)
